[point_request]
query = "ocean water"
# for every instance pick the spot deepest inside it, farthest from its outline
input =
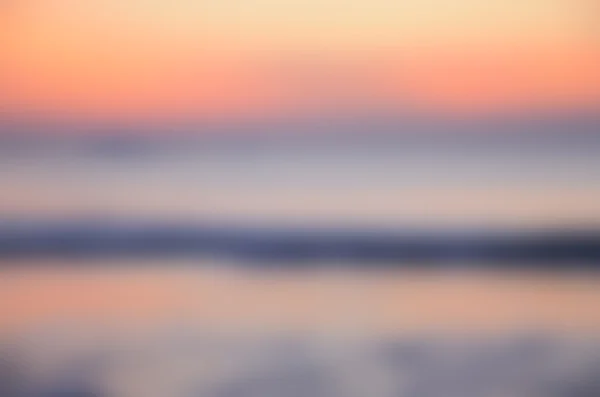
(184, 328)
(379, 181)
(172, 326)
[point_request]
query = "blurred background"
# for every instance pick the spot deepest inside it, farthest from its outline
(301, 187)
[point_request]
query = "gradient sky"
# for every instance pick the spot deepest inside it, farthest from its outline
(159, 58)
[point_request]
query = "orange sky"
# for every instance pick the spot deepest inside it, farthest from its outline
(143, 58)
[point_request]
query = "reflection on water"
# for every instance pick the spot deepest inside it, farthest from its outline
(197, 362)
(334, 296)
(181, 328)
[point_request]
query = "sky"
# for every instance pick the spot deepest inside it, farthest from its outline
(158, 59)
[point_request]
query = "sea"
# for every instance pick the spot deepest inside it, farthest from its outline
(166, 325)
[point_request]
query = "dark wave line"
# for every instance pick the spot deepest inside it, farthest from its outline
(549, 248)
